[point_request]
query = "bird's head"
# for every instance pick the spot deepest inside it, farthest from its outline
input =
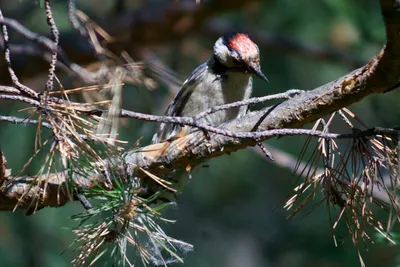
(237, 51)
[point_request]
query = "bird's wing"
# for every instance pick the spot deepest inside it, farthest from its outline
(168, 130)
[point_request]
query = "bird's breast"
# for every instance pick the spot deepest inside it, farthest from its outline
(219, 90)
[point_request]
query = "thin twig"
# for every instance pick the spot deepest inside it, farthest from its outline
(74, 20)
(9, 89)
(48, 44)
(345, 119)
(21, 99)
(7, 58)
(84, 201)
(16, 120)
(28, 34)
(55, 37)
(23, 121)
(286, 95)
(190, 121)
(265, 151)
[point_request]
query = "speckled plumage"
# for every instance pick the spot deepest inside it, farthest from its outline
(224, 78)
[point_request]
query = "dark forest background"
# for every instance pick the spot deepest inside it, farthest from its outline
(232, 210)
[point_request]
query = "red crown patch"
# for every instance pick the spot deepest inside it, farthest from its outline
(243, 45)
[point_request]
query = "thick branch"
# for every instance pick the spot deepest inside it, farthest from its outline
(293, 113)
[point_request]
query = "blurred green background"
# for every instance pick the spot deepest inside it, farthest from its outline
(231, 211)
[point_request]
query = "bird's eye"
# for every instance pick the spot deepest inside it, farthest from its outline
(236, 61)
(236, 57)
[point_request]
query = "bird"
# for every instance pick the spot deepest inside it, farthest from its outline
(224, 78)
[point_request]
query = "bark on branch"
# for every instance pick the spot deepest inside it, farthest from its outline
(382, 73)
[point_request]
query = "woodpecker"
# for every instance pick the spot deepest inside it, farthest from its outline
(225, 78)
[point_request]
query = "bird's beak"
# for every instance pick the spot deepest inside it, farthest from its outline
(256, 69)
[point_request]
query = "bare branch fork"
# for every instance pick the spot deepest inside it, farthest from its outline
(58, 56)
(382, 73)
